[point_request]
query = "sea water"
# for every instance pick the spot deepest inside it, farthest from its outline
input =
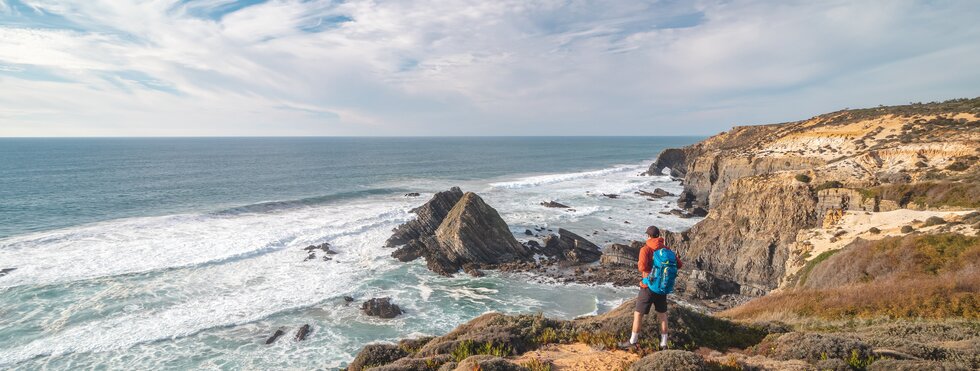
(187, 253)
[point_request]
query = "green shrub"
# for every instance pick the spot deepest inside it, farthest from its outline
(957, 166)
(829, 185)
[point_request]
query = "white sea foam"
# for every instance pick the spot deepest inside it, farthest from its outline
(132, 282)
(539, 180)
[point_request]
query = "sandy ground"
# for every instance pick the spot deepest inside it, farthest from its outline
(855, 224)
(579, 356)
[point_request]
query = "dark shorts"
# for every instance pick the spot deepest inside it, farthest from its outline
(647, 298)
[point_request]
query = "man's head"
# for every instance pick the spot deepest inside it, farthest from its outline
(653, 232)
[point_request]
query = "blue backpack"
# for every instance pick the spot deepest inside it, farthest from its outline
(664, 273)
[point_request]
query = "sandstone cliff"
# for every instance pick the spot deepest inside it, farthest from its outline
(764, 184)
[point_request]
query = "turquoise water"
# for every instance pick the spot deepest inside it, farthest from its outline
(187, 253)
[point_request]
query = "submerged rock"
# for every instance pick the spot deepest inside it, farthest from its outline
(554, 204)
(4, 271)
(381, 307)
(279, 332)
(302, 332)
(412, 194)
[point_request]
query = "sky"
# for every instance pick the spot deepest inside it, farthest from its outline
(460, 67)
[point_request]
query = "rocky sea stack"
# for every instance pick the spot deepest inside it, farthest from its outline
(454, 230)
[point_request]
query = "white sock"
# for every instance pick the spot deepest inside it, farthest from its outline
(663, 340)
(634, 338)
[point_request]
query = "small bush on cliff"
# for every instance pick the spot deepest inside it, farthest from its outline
(829, 185)
(803, 178)
(958, 166)
(913, 276)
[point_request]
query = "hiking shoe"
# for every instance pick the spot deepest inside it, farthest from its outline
(625, 345)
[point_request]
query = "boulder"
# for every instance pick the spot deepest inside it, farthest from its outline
(279, 332)
(619, 255)
(554, 204)
(376, 355)
(570, 247)
(699, 212)
(381, 307)
(657, 193)
(675, 360)
(302, 332)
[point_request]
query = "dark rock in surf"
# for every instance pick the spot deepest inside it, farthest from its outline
(3, 272)
(412, 194)
(279, 332)
(610, 195)
(657, 193)
(310, 257)
(570, 247)
(554, 204)
(381, 307)
(473, 270)
(302, 332)
(348, 299)
(527, 232)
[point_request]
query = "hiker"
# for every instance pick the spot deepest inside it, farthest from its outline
(659, 266)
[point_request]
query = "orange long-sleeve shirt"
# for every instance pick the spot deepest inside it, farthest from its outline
(645, 262)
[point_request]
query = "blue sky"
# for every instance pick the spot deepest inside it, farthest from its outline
(506, 67)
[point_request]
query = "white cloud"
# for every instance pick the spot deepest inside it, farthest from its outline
(289, 67)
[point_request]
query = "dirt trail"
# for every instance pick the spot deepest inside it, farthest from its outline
(579, 356)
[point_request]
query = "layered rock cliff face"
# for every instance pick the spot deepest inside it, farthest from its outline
(763, 184)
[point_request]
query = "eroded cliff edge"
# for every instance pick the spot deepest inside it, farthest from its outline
(765, 184)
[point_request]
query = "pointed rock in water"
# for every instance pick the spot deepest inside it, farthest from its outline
(276, 335)
(3, 272)
(473, 232)
(430, 216)
(381, 307)
(449, 237)
(554, 204)
(302, 332)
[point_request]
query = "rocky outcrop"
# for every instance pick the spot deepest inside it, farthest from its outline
(570, 247)
(375, 355)
(619, 255)
(279, 332)
(302, 333)
(455, 229)
(765, 183)
(381, 307)
(429, 217)
(673, 158)
(746, 239)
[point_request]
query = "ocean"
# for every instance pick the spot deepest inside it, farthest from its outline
(186, 253)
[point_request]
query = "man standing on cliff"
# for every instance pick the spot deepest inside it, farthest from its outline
(647, 297)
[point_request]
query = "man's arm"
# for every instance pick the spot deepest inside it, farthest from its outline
(645, 261)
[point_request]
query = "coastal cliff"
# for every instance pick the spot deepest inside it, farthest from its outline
(764, 184)
(849, 242)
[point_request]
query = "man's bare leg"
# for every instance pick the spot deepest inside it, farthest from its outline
(663, 328)
(637, 322)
